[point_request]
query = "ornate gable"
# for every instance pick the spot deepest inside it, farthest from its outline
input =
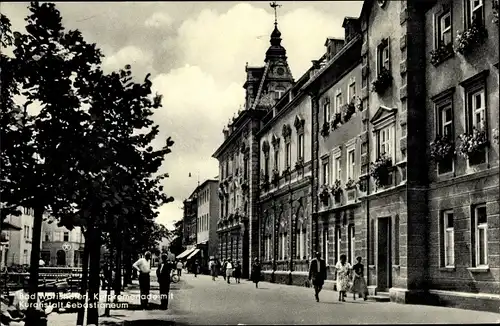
(383, 115)
(299, 122)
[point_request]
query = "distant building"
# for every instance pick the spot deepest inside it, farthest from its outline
(60, 246)
(208, 214)
(18, 250)
(189, 221)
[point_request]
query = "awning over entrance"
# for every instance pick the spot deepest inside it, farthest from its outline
(193, 253)
(185, 253)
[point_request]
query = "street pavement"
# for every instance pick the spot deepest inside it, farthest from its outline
(201, 301)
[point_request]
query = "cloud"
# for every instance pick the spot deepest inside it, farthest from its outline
(159, 19)
(202, 95)
(195, 108)
(141, 61)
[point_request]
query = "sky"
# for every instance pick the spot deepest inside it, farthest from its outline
(196, 53)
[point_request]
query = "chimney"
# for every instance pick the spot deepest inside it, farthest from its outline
(333, 46)
(352, 27)
(225, 131)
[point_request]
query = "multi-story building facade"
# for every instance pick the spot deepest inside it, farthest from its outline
(60, 246)
(462, 101)
(284, 202)
(239, 156)
(208, 215)
(398, 117)
(189, 221)
(18, 251)
(337, 128)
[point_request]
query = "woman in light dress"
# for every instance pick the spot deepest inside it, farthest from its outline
(343, 269)
(229, 270)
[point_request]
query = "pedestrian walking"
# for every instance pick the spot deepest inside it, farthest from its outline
(358, 281)
(317, 274)
(237, 272)
(143, 266)
(256, 272)
(212, 266)
(229, 270)
(343, 269)
(179, 268)
(163, 273)
(196, 268)
(223, 269)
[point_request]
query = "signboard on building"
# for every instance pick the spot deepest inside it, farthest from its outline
(66, 246)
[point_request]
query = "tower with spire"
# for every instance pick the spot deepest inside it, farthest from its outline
(266, 85)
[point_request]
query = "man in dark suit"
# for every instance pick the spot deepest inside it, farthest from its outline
(163, 273)
(317, 274)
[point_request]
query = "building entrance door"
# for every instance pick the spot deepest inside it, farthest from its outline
(384, 254)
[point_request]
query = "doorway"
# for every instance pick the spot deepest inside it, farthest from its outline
(61, 258)
(384, 278)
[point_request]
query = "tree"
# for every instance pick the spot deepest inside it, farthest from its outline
(176, 246)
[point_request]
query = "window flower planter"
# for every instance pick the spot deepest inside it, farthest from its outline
(244, 186)
(383, 81)
(440, 54)
(380, 170)
(337, 121)
(299, 164)
(336, 188)
(495, 135)
(276, 177)
(325, 129)
(323, 194)
(286, 172)
(495, 11)
(472, 143)
(350, 184)
(441, 148)
(470, 39)
(348, 110)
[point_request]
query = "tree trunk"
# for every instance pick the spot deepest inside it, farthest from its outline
(31, 319)
(127, 275)
(84, 282)
(118, 273)
(94, 281)
(110, 279)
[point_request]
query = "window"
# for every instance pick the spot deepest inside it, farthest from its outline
(285, 247)
(480, 240)
(476, 110)
(383, 56)
(384, 142)
(245, 168)
(305, 243)
(227, 168)
(338, 169)
(288, 154)
(47, 236)
(266, 165)
(447, 240)
(444, 29)
(351, 164)
(325, 172)
(352, 90)
(326, 110)
(278, 93)
(352, 241)
(25, 256)
(476, 12)
(338, 102)
(276, 159)
(325, 244)
(338, 242)
(300, 153)
(445, 119)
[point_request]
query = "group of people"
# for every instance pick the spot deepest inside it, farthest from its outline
(349, 278)
(229, 269)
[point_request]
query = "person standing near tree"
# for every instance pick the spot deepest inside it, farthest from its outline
(143, 266)
(164, 277)
(317, 274)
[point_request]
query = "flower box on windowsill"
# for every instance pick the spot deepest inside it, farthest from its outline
(442, 53)
(441, 148)
(325, 129)
(383, 81)
(495, 11)
(337, 121)
(323, 194)
(276, 177)
(350, 184)
(471, 38)
(299, 164)
(348, 110)
(472, 144)
(380, 170)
